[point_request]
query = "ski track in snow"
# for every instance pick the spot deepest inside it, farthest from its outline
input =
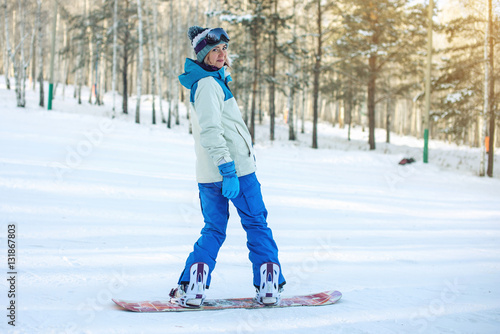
(109, 209)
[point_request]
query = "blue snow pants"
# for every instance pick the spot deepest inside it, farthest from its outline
(253, 214)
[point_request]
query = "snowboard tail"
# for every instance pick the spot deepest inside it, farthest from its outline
(317, 299)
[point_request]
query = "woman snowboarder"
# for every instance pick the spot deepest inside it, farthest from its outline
(225, 170)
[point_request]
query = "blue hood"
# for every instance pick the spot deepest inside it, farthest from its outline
(194, 73)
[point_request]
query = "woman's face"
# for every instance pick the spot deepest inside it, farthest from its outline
(217, 56)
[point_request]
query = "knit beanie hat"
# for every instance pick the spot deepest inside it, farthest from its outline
(203, 39)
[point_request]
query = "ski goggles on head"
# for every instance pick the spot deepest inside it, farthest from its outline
(215, 36)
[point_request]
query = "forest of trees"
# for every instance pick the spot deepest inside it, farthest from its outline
(357, 63)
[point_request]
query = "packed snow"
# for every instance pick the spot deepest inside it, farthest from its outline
(105, 208)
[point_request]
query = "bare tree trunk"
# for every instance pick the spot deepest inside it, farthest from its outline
(317, 70)
(372, 62)
(21, 71)
(80, 73)
(8, 50)
(255, 37)
(491, 106)
(290, 107)
(254, 84)
(176, 65)
(115, 44)
(171, 53)
(304, 96)
(140, 65)
(91, 54)
(57, 78)
(260, 98)
(132, 71)
(349, 106)
(83, 54)
(53, 42)
(246, 78)
(272, 85)
(21, 65)
(388, 120)
(125, 76)
(157, 56)
(152, 61)
(65, 71)
(487, 74)
(102, 66)
(372, 80)
(41, 102)
(125, 61)
(292, 84)
(5, 63)
(34, 58)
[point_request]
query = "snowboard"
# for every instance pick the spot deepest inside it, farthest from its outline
(316, 299)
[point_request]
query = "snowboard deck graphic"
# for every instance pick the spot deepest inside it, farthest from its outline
(317, 299)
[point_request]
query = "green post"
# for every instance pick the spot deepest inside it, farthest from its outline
(426, 145)
(51, 90)
(428, 82)
(52, 57)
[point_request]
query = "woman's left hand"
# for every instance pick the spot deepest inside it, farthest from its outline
(230, 182)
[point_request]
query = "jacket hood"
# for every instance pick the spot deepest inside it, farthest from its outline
(194, 72)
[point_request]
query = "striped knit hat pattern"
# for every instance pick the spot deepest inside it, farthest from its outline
(203, 41)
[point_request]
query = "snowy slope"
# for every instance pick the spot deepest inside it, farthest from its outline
(108, 208)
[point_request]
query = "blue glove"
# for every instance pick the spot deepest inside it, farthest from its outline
(230, 182)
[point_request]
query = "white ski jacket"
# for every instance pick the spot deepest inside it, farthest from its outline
(219, 132)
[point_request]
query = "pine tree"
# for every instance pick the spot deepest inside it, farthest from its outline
(378, 33)
(468, 96)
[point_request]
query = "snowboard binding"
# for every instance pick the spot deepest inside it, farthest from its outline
(269, 291)
(193, 293)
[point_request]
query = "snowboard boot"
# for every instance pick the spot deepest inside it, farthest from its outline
(269, 291)
(192, 294)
